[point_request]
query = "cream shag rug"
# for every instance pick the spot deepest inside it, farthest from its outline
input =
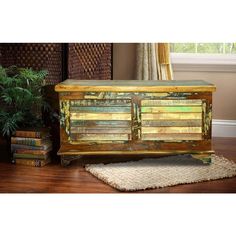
(161, 172)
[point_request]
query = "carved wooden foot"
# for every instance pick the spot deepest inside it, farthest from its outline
(205, 158)
(66, 160)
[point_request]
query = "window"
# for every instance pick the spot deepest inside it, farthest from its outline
(203, 56)
(210, 48)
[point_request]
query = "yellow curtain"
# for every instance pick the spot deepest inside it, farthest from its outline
(153, 61)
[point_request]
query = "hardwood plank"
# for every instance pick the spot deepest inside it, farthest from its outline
(172, 136)
(96, 142)
(171, 116)
(140, 145)
(69, 96)
(187, 102)
(134, 85)
(141, 152)
(101, 102)
(100, 109)
(96, 130)
(182, 109)
(95, 137)
(172, 123)
(100, 116)
(157, 130)
(100, 123)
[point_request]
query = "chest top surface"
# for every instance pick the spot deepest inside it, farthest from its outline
(135, 86)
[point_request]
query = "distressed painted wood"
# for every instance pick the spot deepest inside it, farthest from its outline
(189, 102)
(128, 152)
(172, 136)
(100, 109)
(166, 109)
(119, 96)
(139, 145)
(96, 130)
(135, 117)
(205, 157)
(100, 116)
(172, 123)
(167, 130)
(135, 86)
(171, 116)
(98, 103)
(100, 123)
(94, 137)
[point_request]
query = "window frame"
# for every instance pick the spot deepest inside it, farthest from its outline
(203, 62)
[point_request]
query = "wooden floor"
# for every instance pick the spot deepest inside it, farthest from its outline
(74, 179)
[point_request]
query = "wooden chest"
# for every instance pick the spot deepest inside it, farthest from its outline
(135, 117)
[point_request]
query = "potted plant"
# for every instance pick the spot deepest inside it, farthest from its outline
(21, 99)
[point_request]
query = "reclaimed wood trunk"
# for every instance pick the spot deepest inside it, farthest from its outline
(122, 117)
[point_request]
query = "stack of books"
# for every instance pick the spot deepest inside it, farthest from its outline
(31, 147)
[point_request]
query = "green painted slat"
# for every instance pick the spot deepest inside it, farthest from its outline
(171, 116)
(169, 102)
(171, 109)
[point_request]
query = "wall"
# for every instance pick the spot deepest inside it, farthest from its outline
(124, 57)
(224, 99)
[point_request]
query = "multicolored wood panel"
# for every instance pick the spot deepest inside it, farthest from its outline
(171, 119)
(100, 120)
(110, 120)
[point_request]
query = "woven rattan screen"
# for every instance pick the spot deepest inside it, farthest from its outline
(36, 56)
(90, 61)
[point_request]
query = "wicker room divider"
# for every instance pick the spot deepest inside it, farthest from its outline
(74, 60)
(90, 61)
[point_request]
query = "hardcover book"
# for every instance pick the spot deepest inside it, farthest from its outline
(35, 152)
(35, 162)
(28, 141)
(44, 147)
(30, 156)
(30, 133)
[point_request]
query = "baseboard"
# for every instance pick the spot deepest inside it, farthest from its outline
(223, 128)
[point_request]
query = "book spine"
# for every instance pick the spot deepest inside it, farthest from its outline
(26, 141)
(35, 152)
(29, 156)
(20, 146)
(28, 134)
(35, 163)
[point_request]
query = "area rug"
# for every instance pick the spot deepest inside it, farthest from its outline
(161, 172)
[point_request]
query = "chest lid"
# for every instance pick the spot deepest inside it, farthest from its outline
(134, 86)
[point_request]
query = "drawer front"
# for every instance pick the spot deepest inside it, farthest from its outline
(173, 120)
(102, 121)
